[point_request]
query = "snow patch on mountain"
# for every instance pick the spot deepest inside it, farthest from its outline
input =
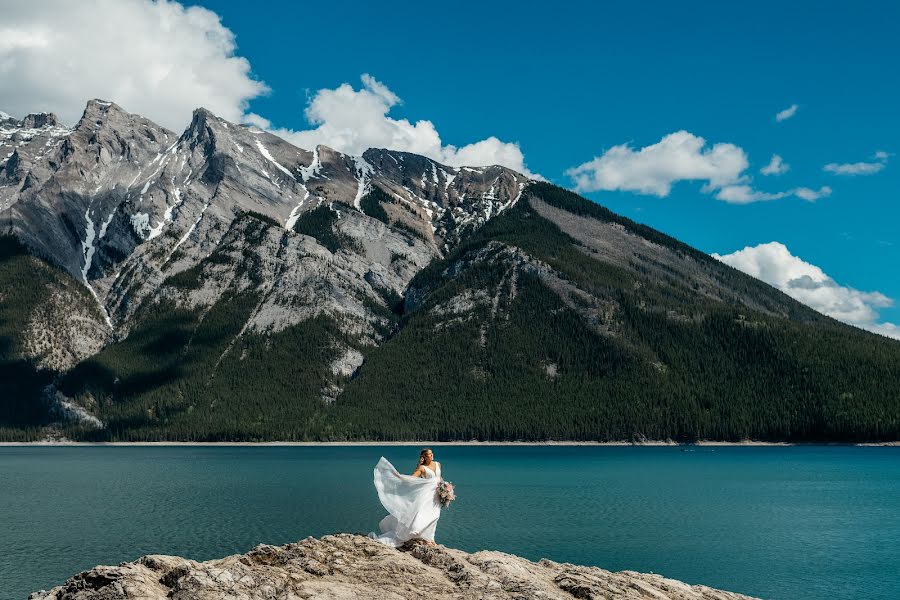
(308, 173)
(88, 250)
(268, 156)
(363, 171)
(295, 213)
(140, 222)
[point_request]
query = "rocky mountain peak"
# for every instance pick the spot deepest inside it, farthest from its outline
(99, 111)
(203, 126)
(39, 120)
(109, 117)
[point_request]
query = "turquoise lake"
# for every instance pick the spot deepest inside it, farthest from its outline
(785, 523)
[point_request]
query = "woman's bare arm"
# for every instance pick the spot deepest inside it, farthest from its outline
(418, 472)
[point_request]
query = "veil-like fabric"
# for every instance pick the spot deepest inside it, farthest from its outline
(411, 501)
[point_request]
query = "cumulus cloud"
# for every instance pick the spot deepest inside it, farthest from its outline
(787, 113)
(776, 166)
(807, 283)
(158, 59)
(353, 120)
(682, 156)
(653, 169)
(879, 161)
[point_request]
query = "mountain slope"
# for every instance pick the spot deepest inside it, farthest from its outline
(562, 320)
(34, 342)
(224, 284)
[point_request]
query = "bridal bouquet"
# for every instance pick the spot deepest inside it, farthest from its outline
(445, 493)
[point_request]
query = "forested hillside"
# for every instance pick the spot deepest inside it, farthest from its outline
(223, 284)
(525, 333)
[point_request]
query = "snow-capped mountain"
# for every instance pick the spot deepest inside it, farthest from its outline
(121, 204)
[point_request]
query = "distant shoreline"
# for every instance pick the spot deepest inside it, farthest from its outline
(702, 443)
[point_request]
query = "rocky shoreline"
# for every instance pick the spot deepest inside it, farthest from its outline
(346, 566)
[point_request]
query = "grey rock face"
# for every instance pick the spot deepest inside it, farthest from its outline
(513, 262)
(352, 566)
(40, 120)
(123, 204)
(614, 244)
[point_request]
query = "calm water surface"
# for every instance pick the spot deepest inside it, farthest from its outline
(779, 523)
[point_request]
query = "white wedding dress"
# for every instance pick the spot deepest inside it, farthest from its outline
(412, 504)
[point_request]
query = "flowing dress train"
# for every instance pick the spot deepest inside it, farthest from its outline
(412, 504)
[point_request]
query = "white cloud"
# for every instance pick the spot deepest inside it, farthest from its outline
(744, 194)
(859, 168)
(653, 169)
(787, 113)
(158, 59)
(682, 156)
(351, 121)
(807, 283)
(776, 166)
(812, 195)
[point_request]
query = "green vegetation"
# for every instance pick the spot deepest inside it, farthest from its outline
(409, 229)
(23, 285)
(320, 224)
(261, 217)
(371, 204)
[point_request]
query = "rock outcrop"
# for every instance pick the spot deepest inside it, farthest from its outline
(352, 566)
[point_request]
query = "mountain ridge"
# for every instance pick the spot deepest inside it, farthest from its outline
(301, 292)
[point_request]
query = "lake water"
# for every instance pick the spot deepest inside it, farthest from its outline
(776, 522)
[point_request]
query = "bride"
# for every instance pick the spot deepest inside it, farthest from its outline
(411, 501)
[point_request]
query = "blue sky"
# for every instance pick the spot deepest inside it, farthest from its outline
(567, 82)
